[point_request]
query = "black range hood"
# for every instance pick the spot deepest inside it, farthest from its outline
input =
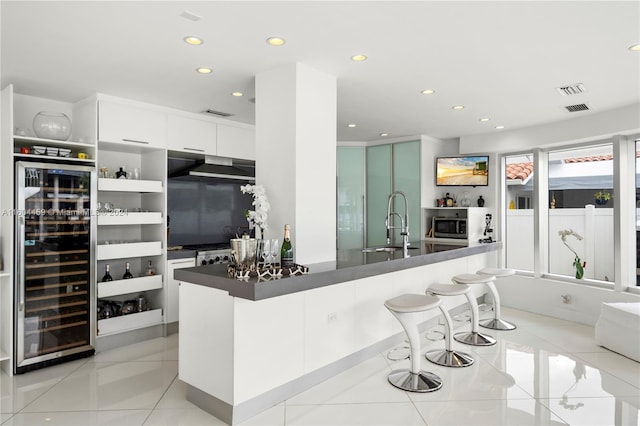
(211, 167)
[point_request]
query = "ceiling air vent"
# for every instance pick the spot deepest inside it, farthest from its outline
(577, 107)
(218, 113)
(574, 89)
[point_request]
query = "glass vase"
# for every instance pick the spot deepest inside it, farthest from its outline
(52, 125)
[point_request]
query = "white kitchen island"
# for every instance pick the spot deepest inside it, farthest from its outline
(247, 346)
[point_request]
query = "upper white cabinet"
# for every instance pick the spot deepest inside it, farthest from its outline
(236, 142)
(191, 135)
(131, 124)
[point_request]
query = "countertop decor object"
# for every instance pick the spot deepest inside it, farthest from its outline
(52, 125)
(258, 217)
(480, 201)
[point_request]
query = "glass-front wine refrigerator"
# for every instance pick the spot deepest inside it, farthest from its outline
(54, 303)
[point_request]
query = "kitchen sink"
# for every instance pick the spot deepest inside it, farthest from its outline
(386, 248)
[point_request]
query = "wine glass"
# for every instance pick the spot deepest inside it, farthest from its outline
(275, 250)
(266, 250)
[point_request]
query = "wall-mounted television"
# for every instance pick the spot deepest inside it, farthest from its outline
(462, 171)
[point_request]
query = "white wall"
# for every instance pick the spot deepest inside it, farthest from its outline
(623, 121)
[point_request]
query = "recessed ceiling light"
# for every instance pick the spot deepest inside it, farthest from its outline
(499, 127)
(237, 94)
(457, 107)
(351, 125)
(635, 48)
(384, 134)
(428, 92)
(193, 40)
(204, 70)
(358, 58)
(275, 41)
(484, 119)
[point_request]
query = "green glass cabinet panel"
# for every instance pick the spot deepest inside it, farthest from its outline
(378, 190)
(406, 178)
(350, 195)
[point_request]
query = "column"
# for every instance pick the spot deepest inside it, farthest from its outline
(296, 111)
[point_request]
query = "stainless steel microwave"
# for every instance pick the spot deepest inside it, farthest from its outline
(449, 227)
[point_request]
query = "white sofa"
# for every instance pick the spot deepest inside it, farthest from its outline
(618, 328)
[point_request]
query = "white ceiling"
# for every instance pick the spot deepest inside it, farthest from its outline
(502, 60)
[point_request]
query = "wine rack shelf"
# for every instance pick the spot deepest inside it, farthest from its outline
(133, 285)
(129, 322)
(128, 250)
(129, 185)
(130, 218)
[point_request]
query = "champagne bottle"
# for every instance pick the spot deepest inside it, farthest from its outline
(127, 272)
(107, 276)
(286, 252)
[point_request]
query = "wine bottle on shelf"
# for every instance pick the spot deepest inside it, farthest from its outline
(107, 276)
(127, 272)
(150, 270)
(286, 252)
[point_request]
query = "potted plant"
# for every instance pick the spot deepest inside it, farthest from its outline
(602, 197)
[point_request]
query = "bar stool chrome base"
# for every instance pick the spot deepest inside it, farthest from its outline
(474, 338)
(422, 382)
(497, 324)
(449, 358)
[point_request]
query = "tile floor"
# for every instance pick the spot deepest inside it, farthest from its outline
(547, 372)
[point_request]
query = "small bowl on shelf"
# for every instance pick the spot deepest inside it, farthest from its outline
(39, 150)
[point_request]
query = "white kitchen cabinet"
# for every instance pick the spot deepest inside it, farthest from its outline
(236, 142)
(171, 313)
(191, 135)
(131, 124)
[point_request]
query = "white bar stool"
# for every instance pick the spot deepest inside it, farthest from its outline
(404, 308)
(473, 337)
(496, 323)
(448, 357)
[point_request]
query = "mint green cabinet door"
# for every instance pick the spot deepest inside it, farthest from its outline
(406, 178)
(350, 197)
(378, 190)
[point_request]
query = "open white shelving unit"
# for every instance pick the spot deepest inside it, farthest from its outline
(133, 231)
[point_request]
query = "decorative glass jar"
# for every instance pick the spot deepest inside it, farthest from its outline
(465, 202)
(52, 125)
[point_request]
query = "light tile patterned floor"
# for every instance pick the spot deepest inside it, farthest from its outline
(546, 372)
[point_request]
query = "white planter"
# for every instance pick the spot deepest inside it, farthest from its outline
(130, 218)
(129, 185)
(121, 251)
(129, 322)
(133, 285)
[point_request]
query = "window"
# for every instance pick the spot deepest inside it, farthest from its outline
(581, 228)
(519, 214)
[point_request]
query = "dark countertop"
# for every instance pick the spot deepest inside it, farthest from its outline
(350, 265)
(180, 254)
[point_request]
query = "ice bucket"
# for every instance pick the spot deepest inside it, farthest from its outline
(244, 250)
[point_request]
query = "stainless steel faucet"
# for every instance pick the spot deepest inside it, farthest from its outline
(404, 222)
